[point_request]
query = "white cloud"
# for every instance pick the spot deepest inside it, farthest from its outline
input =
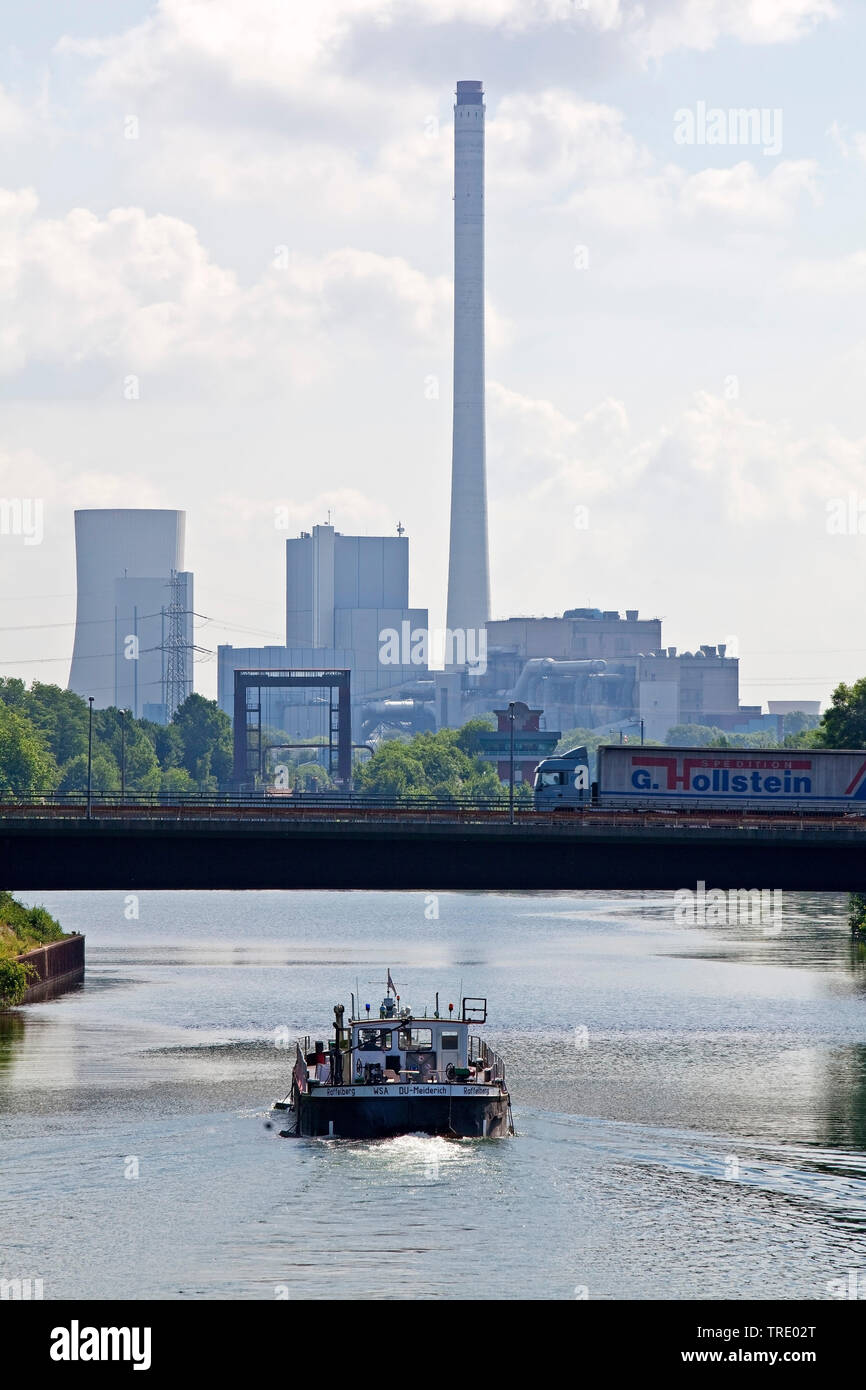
(839, 275)
(294, 50)
(713, 456)
(700, 24)
(142, 294)
(555, 139)
(740, 194)
(13, 116)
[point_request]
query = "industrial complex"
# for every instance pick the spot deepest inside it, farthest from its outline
(347, 600)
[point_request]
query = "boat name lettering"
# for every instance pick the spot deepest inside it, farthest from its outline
(392, 1091)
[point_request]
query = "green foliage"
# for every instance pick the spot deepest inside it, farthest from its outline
(468, 740)
(61, 717)
(105, 774)
(23, 928)
(843, 725)
(26, 764)
(44, 736)
(43, 926)
(13, 692)
(14, 976)
(176, 781)
(310, 776)
(796, 723)
(695, 736)
(807, 738)
(165, 740)
(709, 736)
(857, 913)
(206, 740)
(430, 767)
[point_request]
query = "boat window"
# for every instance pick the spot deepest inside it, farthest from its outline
(450, 1042)
(374, 1037)
(417, 1039)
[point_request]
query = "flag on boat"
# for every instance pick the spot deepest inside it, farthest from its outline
(391, 984)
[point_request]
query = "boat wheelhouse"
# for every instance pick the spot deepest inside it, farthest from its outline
(400, 1073)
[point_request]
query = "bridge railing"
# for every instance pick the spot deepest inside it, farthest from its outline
(356, 806)
(77, 802)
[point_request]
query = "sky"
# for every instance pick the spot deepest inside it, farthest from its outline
(225, 286)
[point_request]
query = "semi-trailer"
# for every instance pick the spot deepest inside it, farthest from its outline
(636, 777)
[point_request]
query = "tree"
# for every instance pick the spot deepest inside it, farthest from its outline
(14, 979)
(26, 764)
(205, 733)
(176, 781)
(844, 724)
(468, 740)
(126, 740)
(44, 738)
(428, 767)
(795, 722)
(695, 736)
(62, 717)
(13, 693)
(314, 773)
(105, 774)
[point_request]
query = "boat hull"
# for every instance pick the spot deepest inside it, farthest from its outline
(462, 1115)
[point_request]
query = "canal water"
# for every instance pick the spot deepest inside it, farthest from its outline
(690, 1103)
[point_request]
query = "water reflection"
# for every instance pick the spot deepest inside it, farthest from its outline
(844, 1099)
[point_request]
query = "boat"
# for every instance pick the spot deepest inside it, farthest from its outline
(400, 1073)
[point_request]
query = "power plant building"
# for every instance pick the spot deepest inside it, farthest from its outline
(347, 606)
(345, 591)
(595, 669)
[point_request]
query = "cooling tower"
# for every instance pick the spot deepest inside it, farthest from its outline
(124, 560)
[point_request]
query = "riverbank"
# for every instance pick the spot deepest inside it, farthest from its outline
(37, 958)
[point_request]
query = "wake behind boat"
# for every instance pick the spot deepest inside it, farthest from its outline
(400, 1074)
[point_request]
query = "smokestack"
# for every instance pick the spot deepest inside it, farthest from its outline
(468, 571)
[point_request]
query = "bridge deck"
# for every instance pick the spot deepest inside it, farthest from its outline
(187, 847)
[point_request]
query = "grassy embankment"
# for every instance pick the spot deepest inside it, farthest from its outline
(21, 929)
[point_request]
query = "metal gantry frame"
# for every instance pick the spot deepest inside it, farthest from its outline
(339, 718)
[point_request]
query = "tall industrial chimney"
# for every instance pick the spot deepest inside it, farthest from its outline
(468, 569)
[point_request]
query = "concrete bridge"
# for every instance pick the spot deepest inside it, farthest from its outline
(246, 847)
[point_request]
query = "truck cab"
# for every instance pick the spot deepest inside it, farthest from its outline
(562, 782)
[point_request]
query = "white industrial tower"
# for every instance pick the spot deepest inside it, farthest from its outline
(468, 570)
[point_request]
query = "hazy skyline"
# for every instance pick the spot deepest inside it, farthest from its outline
(226, 259)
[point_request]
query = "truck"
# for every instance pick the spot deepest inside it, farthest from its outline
(634, 777)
